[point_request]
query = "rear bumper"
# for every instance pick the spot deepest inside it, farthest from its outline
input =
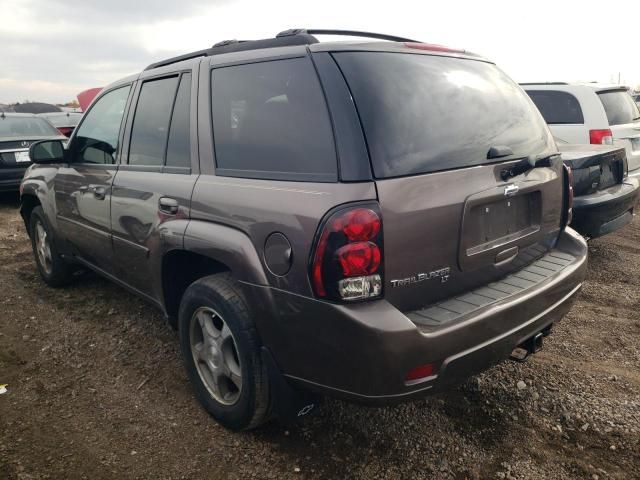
(363, 352)
(607, 210)
(634, 173)
(10, 179)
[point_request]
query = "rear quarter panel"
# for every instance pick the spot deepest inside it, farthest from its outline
(258, 208)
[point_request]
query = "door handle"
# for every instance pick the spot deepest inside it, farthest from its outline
(99, 192)
(168, 205)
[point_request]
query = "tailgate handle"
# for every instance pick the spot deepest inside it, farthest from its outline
(506, 255)
(511, 190)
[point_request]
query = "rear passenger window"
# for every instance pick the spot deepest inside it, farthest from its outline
(151, 122)
(270, 121)
(557, 107)
(179, 145)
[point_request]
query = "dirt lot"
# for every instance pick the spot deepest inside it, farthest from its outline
(97, 390)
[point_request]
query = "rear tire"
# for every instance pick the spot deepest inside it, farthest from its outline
(54, 270)
(221, 351)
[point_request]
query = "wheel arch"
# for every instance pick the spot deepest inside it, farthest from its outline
(37, 190)
(180, 268)
(28, 201)
(208, 248)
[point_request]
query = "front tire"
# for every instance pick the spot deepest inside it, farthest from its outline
(221, 351)
(53, 269)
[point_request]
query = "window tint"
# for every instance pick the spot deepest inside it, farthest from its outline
(96, 140)
(25, 126)
(557, 107)
(179, 145)
(620, 107)
(424, 113)
(270, 121)
(151, 122)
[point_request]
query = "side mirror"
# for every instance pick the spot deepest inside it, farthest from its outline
(47, 151)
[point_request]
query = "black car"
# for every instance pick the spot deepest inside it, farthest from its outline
(604, 195)
(17, 132)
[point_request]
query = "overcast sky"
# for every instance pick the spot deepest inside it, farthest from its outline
(52, 49)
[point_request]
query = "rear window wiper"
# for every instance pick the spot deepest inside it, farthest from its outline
(528, 163)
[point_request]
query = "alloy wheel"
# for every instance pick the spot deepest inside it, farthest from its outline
(215, 355)
(43, 248)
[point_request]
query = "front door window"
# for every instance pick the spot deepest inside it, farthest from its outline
(96, 140)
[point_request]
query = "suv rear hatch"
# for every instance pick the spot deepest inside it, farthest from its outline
(451, 223)
(594, 167)
(624, 120)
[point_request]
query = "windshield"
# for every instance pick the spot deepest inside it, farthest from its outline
(26, 127)
(620, 107)
(425, 113)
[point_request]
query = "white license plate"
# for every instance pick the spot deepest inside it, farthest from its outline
(22, 157)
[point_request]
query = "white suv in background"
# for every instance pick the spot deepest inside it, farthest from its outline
(590, 113)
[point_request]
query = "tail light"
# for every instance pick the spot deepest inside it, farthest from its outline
(346, 264)
(568, 196)
(66, 131)
(601, 137)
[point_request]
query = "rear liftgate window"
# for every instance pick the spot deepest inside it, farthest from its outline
(424, 113)
(270, 121)
(620, 107)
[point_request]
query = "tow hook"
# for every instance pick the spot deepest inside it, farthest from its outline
(528, 347)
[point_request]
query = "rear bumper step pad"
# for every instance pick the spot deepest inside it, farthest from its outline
(454, 308)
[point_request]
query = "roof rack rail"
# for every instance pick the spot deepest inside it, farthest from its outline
(346, 33)
(294, 36)
(227, 46)
(179, 58)
(544, 83)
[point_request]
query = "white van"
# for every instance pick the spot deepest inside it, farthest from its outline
(590, 113)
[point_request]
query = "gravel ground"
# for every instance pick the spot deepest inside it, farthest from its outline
(97, 390)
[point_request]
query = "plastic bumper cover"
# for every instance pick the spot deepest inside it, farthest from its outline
(362, 352)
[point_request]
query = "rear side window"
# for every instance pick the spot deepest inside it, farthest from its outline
(151, 122)
(179, 145)
(557, 107)
(620, 107)
(270, 121)
(425, 113)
